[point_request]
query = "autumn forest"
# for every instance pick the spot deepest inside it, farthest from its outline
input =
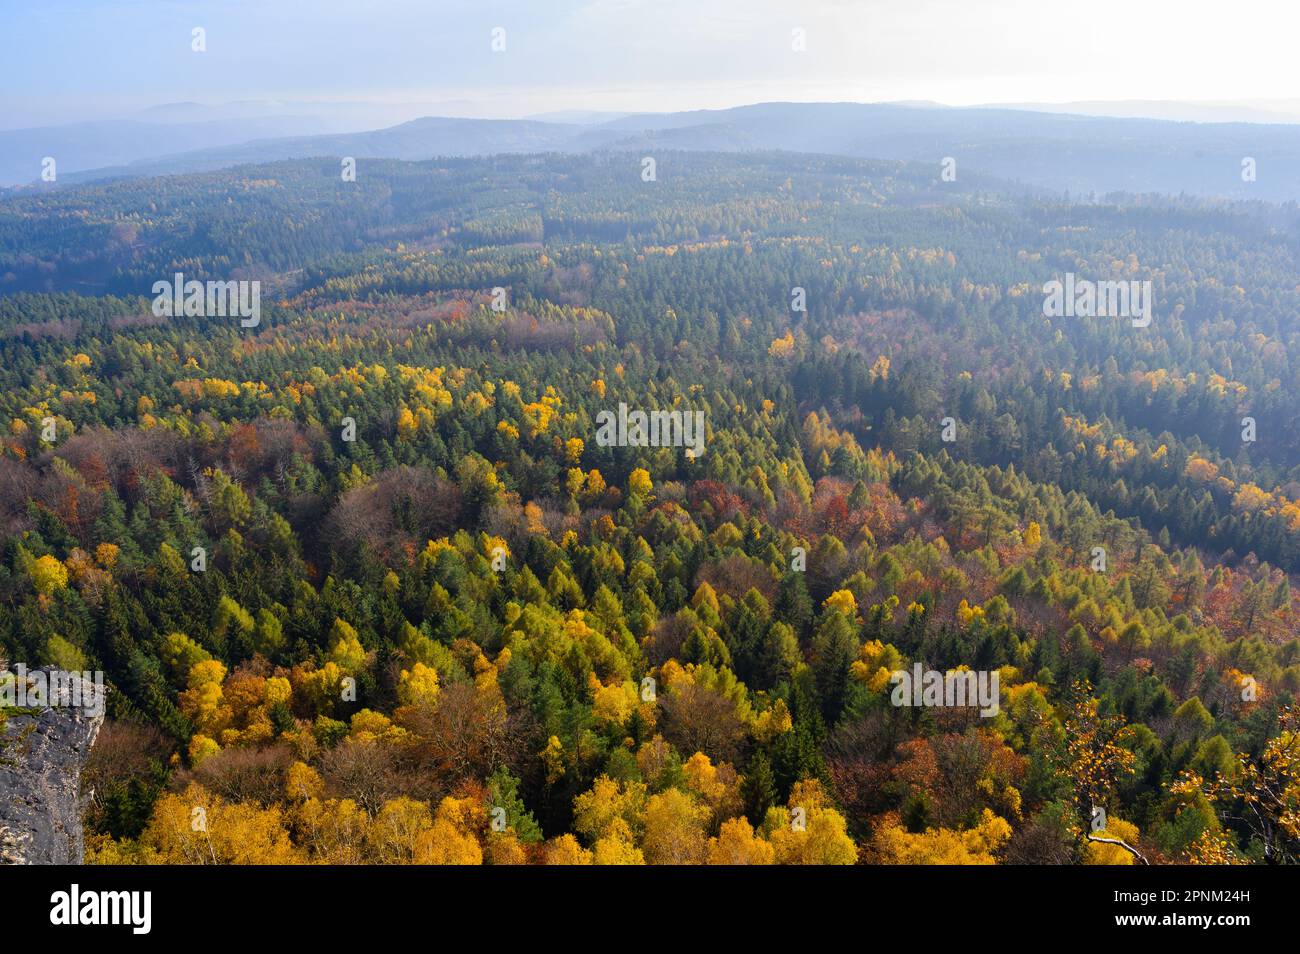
(368, 584)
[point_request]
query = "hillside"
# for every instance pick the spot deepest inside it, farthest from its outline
(1049, 150)
(377, 579)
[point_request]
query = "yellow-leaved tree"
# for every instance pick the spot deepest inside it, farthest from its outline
(674, 829)
(1096, 852)
(809, 831)
(452, 838)
(737, 844)
(197, 827)
(566, 850)
(892, 844)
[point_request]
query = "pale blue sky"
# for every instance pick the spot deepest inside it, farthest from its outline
(70, 59)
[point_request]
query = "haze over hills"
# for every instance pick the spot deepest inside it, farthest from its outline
(1055, 151)
(112, 142)
(169, 129)
(418, 139)
(1259, 111)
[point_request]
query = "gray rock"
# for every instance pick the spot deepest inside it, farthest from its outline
(41, 756)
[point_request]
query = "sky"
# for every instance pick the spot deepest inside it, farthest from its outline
(65, 60)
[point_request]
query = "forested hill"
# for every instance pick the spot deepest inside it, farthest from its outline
(918, 466)
(1056, 151)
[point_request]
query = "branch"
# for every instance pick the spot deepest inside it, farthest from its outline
(1123, 844)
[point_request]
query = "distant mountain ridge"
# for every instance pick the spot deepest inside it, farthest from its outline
(110, 143)
(1056, 151)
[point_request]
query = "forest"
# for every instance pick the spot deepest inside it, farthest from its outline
(367, 589)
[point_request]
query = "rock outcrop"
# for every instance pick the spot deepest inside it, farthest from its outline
(42, 751)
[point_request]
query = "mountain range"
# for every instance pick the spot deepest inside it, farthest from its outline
(1072, 152)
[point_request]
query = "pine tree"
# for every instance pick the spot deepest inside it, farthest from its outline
(758, 790)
